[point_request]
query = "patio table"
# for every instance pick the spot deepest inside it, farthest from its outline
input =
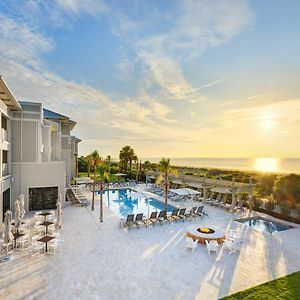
(46, 224)
(45, 214)
(45, 239)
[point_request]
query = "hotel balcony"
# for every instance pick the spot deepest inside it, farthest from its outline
(5, 135)
(5, 169)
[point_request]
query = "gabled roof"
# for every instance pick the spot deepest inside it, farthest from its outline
(7, 97)
(52, 115)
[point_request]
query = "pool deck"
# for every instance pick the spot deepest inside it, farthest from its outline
(101, 261)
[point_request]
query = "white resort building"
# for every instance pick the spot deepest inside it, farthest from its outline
(38, 153)
(8, 104)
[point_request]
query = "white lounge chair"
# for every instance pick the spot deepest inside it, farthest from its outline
(37, 248)
(212, 246)
(190, 244)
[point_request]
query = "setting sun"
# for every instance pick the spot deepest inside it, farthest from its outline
(266, 164)
(267, 124)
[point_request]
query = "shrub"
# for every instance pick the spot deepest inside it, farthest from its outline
(270, 204)
(256, 203)
(285, 210)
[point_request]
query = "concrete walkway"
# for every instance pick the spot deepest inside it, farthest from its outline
(101, 261)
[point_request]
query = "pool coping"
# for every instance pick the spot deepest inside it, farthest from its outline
(270, 219)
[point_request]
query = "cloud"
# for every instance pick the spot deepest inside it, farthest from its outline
(55, 13)
(254, 97)
(150, 120)
(77, 7)
(229, 103)
(207, 85)
(191, 28)
(22, 43)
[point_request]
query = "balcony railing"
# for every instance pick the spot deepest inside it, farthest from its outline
(5, 169)
(4, 134)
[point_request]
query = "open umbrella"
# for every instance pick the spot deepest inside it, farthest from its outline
(118, 175)
(22, 204)
(185, 192)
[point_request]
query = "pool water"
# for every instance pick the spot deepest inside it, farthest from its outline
(264, 225)
(122, 203)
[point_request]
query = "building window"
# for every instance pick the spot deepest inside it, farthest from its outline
(4, 156)
(3, 122)
(43, 198)
(6, 202)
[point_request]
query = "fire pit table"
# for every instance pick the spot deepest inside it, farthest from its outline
(202, 233)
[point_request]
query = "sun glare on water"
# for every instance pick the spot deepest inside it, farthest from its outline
(266, 164)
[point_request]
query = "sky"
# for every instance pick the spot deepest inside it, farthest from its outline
(173, 78)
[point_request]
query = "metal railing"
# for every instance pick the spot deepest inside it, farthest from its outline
(4, 134)
(5, 169)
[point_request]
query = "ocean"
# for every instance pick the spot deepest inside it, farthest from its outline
(262, 164)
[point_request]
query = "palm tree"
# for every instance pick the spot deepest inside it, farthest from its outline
(136, 160)
(96, 159)
(166, 170)
(146, 167)
(108, 160)
(88, 160)
(126, 157)
(132, 157)
(104, 176)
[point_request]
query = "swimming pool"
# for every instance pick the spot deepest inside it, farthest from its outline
(264, 225)
(121, 202)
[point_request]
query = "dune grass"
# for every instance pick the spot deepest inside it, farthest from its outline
(287, 287)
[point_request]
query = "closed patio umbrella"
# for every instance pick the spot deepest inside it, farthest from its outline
(18, 220)
(58, 212)
(8, 236)
(22, 206)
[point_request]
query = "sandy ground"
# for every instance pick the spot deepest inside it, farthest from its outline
(101, 261)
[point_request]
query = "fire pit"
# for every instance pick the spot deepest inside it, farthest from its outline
(205, 230)
(205, 233)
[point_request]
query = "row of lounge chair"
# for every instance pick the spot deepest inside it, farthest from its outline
(163, 217)
(221, 201)
(76, 197)
(172, 196)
